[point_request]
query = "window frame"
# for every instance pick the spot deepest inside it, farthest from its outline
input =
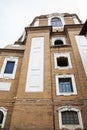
(73, 85)
(4, 111)
(56, 22)
(58, 38)
(66, 55)
(9, 75)
(70, 108)
(59, 17)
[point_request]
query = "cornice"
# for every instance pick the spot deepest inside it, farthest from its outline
(38, 28)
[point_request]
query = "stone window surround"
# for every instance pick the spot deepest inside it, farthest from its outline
(9, 76)
(66, 55)
(60, 17)
(70, 108)
(58, 38)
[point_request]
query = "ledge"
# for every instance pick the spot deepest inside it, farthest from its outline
(55, 46)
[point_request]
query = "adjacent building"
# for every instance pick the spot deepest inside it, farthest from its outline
(43, 76)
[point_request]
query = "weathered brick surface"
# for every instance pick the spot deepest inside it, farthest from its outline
(39, 111)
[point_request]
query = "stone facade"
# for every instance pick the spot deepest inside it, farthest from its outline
(31, 109)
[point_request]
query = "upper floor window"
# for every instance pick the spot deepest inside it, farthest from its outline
(9, 67)
(62, 60)
(56, 22)
(70, 117)
(65, 85)
(58, 42)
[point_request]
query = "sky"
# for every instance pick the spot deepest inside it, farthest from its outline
(15, 15)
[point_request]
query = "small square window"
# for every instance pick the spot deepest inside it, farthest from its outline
(62, 61)
(65, 85)
(9, 67)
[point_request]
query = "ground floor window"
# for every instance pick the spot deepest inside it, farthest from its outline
(70, 117)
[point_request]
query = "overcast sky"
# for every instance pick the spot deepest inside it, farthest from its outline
(15, 15)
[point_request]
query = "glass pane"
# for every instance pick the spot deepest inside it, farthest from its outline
(65, 85)
(70, 117)
(9, 67)
(56, 22)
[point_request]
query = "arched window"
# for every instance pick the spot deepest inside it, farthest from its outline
(58, 42)
(56, 22)
(3, 113)
(70, 117)
(1, 117)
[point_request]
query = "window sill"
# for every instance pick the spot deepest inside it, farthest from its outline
(61, 68)
(66, 94)
(59, 46)
(74, 126)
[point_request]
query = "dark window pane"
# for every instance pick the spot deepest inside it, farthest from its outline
(9, 67)
(62, 61)
(58, 42)
(56, 22)
(65, 85)
(70, 117)
(1, 116)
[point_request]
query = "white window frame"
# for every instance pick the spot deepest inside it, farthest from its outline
(73, 85)
(60, 17)
(2, 109)
(36, 23)
(58, 38)
(70, 108)
(66, 55)
(9, 76)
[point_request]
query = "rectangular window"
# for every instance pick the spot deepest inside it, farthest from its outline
(9, 67)
(65, 85)
(62, 61)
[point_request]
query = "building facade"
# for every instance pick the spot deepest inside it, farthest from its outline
(43, 76)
